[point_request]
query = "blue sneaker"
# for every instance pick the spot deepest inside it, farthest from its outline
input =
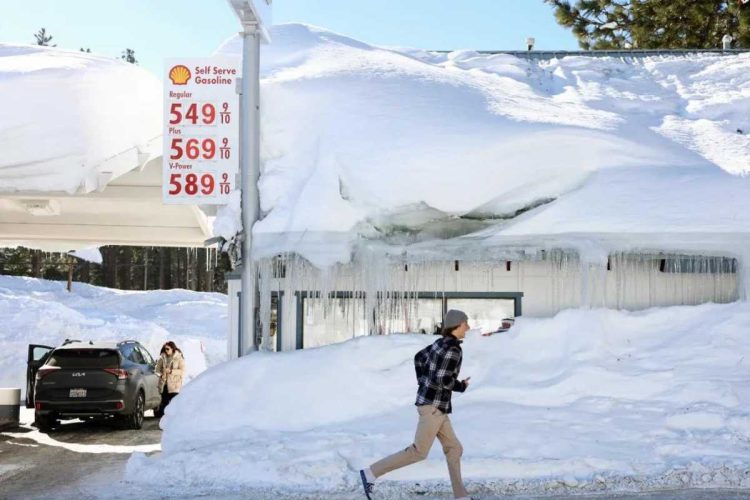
(365, 484)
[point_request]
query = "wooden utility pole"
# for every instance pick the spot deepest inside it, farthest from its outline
(71, 266)
(145, 268)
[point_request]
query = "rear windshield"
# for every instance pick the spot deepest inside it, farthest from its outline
(84, 358)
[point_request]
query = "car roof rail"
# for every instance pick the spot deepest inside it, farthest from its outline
(127, 342)
(69, 341)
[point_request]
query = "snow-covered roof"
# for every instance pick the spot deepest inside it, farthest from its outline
(80, 137)
(73, 121)
(362, 143)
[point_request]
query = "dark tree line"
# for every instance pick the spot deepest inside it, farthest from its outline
(125, 267)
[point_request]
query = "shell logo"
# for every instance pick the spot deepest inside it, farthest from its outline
(179, 75)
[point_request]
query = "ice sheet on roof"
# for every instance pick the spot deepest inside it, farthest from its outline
(360, 141)
(72, 120)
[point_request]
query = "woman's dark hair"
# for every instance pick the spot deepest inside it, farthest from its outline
(448, 331)
(174, 347)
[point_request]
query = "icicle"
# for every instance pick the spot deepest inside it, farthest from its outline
(265, 272)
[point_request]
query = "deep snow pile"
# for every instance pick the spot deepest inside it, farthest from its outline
(71, 120)
(361, 141)
(42, 312)
(586, 400)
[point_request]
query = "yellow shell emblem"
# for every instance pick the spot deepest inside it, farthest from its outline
(179, 75)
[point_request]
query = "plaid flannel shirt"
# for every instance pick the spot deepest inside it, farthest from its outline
(437, 367)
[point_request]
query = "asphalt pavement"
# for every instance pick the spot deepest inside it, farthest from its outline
(87, 460)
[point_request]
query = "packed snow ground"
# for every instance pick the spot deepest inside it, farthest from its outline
(362, 141)
(34, 311)
(587, 400)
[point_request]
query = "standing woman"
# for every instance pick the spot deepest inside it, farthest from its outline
(170, 367)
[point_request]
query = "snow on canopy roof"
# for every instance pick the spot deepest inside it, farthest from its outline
(72, 121)
(361, 142)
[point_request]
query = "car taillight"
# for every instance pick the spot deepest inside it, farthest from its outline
(119, 405)
(43, 372)
(38, 406)
(117, 372)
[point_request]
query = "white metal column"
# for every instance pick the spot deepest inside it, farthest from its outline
(249, 170)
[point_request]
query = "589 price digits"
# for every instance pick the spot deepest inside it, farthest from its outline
(192, 183)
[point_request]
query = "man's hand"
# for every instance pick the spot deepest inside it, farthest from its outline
(466, 382)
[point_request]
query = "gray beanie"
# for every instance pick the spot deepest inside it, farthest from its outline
(454, 317)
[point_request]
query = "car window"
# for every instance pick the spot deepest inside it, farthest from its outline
(146, 355)
(136, 356)
(39, 352)
(84, 358)
(127, 350)
(130, 352)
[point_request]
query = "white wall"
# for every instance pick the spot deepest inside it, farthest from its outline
(548, 286)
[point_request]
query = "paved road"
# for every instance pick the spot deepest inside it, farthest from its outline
(84, 461)
(63, 463)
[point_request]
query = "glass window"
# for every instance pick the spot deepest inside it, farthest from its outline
(485, 314)
(130, 352)
(145, 354)
(136, 356)
(84, 358)
(327, 321)
(39, 352)
(126, 350)
(408, 315)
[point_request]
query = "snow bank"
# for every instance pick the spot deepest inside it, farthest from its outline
(587, 400)
(42, 312)
(73, 120)
(364, 142)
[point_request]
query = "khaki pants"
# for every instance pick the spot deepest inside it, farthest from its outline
(432, 423)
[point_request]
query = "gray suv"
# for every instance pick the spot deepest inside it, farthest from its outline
(90, 380)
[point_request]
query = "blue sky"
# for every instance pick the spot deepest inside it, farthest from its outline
(157, 29)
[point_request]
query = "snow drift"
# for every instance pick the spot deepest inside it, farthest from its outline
(587, 400)
(366, 142)
(72, 121)
(36, 311)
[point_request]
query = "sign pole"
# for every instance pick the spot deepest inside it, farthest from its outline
(249, 172)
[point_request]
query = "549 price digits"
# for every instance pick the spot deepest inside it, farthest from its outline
(195, 113)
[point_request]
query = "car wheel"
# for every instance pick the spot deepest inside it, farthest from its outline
(44, 423)
(135, 419)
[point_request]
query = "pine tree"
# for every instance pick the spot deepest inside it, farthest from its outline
(42, 38)
(742, 11)
(654, 24)
(128, 55)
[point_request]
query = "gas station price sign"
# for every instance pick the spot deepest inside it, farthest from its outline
(201, 130)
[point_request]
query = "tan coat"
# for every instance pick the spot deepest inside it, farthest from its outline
(170, 371)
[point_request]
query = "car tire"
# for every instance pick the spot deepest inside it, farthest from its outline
(44, 423)
(135, 419)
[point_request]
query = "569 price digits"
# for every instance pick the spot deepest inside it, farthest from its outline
(195, 148)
